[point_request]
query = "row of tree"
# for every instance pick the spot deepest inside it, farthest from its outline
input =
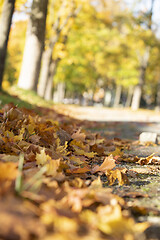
(94, 47)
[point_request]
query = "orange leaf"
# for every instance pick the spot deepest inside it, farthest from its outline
(108, 164)
(8, 171)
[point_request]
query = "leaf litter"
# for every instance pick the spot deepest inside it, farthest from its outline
(57, 180)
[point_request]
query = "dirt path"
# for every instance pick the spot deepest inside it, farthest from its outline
(102, 114)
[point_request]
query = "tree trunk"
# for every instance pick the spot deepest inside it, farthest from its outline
(117, 95)
(45, 71)
(47, 60)
(48, 88)
(143, 66)
(34, 46)
(5, 25)
(48, 92)
(59, 94)
(137, 94)
(129, 97)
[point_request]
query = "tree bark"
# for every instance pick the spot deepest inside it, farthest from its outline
(49, 73)
(138, 89)
(34, 46)
(52, 72)
(5, 25)
(117, 95)
(45, 71)
(59, 94)
(129, 97)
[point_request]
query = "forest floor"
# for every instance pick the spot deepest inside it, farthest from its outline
(104, 182)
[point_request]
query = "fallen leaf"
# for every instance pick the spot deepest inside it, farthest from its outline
(111, 221)
(80, 136)
(42, 158)
(117, 174)
(108, 164)
(8, 171)
(117, 152)
(78, 170)
(149, 160)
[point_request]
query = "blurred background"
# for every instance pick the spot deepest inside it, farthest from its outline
(86, 52)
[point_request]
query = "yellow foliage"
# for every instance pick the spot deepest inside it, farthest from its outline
(52, 167)
(19, 4)
(42, 158)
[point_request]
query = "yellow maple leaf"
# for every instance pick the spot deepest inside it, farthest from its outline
(42, 158)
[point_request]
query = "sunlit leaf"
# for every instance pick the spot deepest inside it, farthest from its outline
(108, 164)
(42, 158)
(8, 171)
(112, 222)
(117, 174)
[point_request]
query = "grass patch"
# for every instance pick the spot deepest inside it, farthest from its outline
(6, 98)
(23, 98)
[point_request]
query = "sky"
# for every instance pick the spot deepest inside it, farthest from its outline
(140, 5)
(146, 5)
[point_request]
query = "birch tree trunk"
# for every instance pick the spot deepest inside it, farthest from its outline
(137, 94)
(34, 46)
(49, 73)
(52, 72)
(117, 95)
(129, 97)
(5, 25)
(45, 71)
(59, 94)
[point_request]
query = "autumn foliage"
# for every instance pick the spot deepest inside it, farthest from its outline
(55, 180)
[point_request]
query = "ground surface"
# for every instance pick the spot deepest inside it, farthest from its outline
(119, 123)
(89, 167)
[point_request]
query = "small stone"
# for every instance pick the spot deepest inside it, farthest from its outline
(148, 137)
